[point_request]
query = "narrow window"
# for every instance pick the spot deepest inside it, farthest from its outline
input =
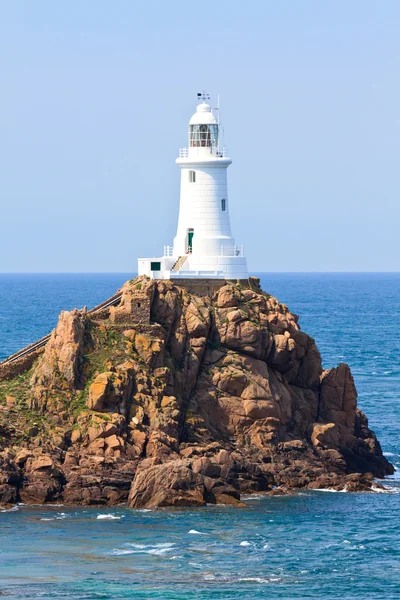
(138, 304)
(223, 204)
(192, 176)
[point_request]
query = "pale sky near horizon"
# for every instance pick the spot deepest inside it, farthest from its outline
(95, 98)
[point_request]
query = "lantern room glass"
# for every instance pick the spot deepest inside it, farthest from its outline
(203, 135)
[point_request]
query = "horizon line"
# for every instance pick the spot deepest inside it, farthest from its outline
(250, 274)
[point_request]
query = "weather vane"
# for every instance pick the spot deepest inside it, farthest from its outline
(203, 96)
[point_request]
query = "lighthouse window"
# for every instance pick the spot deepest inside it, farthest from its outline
(192, 176)
(223, 204)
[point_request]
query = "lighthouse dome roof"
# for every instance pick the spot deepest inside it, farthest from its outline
(203, 115)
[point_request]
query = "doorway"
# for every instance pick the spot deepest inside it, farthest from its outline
(190, 241)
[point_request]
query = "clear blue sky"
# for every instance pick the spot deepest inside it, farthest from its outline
(94, 102)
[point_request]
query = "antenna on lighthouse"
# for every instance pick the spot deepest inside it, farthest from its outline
(218, 109)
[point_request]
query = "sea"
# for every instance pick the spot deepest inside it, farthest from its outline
(314, 544)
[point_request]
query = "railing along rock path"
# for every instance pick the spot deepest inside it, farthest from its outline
(113, 301)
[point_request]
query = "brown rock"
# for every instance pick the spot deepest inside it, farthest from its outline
(170, 484)
(325, 436)
(99, 391)
(64, 351)
(194, 393)
(338, 396)
(205, 467)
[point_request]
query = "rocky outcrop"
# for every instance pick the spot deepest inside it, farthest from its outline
(176, 398)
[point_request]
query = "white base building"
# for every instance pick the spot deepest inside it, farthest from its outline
(203, 246)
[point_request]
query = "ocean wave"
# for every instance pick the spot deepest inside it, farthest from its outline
(12, 509)
(58, 517)
(244, 579)
(154, 549)
(253, 496)
(351, 546)
(195, 532)
(244, 543)
(110, 517)
(159, 551)
(379, 490)
(122, 552)
(143, 546)
(331, 490)
(259, 579)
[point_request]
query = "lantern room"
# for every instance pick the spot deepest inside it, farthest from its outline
(203, 128)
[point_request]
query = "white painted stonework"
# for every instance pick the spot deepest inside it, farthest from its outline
(203, 246)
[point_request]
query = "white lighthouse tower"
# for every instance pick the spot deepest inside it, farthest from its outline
(203, 246)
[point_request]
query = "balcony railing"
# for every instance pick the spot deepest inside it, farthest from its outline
(218, 151)
(224, 251)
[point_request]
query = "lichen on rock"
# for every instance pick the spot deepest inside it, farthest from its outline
(174, 398)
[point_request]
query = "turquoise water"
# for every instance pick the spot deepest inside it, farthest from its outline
(312, 545)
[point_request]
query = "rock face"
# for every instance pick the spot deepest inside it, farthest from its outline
(181, 399)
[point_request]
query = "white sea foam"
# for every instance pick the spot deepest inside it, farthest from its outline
(260, 579)
(331, 490)
(47, 519)
(155, 549)
(244, 543)
(159, 551)
(388, 490)
(253, 496)
(110, 517)
(13, 509)
(195, 532)
(144, 546)
(151, 548)
(379, 490)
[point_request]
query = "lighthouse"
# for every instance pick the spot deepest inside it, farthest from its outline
(203, 246)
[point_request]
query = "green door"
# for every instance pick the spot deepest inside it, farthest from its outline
(190, 240)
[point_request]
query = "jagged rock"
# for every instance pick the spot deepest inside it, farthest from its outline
(63, 354)
(338, 397)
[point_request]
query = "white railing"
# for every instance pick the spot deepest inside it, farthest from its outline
(225, 251)
(220, 152)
